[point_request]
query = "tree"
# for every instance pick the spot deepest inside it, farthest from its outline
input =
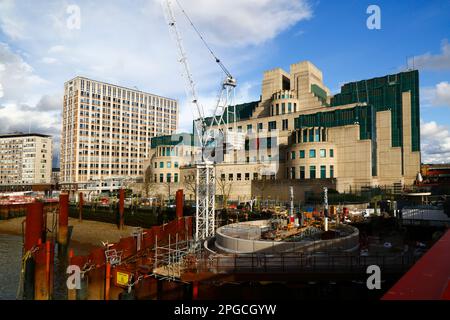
(224, 188)
(168, 185)
(189, 181)
(150, 184)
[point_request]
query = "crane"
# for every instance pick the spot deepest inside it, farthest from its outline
(210, 133)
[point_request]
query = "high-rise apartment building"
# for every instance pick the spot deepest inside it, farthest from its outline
(107, 131)
(25, 159)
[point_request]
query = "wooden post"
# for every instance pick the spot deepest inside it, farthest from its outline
(63, 223)
(121, 206)
(107, 280)
(80, 204)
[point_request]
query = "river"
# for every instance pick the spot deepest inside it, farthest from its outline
(10, 265)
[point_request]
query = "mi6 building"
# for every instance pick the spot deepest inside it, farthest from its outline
(299, 134)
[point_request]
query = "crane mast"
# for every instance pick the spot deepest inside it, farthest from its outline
(206, 133)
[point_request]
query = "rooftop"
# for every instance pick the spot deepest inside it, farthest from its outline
(21, 134)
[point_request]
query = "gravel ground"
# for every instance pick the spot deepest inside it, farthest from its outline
(85, 232)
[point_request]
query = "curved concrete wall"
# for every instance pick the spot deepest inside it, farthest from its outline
(231, 244)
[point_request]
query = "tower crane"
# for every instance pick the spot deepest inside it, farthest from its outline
(210, 133)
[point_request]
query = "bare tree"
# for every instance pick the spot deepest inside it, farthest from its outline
(224, 188)
(150, 184)
(189, 181)
(169, 188)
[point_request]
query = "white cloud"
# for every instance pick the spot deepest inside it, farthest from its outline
(49, 60)
(9, 24)
(17, 77)
(435, 142)
(56, 49)
(434, 62)
(237, 22)
(131, 46)
(436, 96)
(1, 91)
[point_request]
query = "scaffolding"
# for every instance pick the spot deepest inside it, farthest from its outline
(171, 258)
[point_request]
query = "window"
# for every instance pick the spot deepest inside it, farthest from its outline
(249, 128)
(278, 109)
(255, 176)
(312, 172)
(323, 153)
(311, 135)
(260, 126)
(239, 128)
(161, 164)
(323, 172)
(305, 135)
(331, 153)
(169, 164)
(312, 153)
(302, 154)
(324, 134)
(169, 177)
(293, 173)
(230, 177)
(285, 124)
(293, 155)
(302, 172)
(272, 125)
(317, 135)
(155, 178)
(161, 177)
(175, 164)
(289, 107)
(283, 108)
(156, 165)
(222, 177)
(247, 176)
(331, 171)
(175, 178)
(238, 177)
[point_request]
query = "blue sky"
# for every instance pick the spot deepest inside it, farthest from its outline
(128, 43)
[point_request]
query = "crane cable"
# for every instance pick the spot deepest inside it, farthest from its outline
(204, 41)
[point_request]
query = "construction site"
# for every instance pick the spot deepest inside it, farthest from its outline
(319, 249)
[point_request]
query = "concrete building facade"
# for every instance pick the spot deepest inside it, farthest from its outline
(25, 159)
(107, 132)
(368, 135)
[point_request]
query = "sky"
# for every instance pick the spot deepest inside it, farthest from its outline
(45, 43)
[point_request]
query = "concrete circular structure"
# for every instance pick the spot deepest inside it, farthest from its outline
(245, 237)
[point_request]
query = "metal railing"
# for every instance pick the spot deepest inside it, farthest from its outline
(302, 263)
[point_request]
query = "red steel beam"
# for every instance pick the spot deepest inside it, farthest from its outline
(63, 218)
(429, 278)
(34, 224)
(179, 203)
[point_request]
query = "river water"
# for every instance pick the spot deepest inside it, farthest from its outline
(10, 265)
